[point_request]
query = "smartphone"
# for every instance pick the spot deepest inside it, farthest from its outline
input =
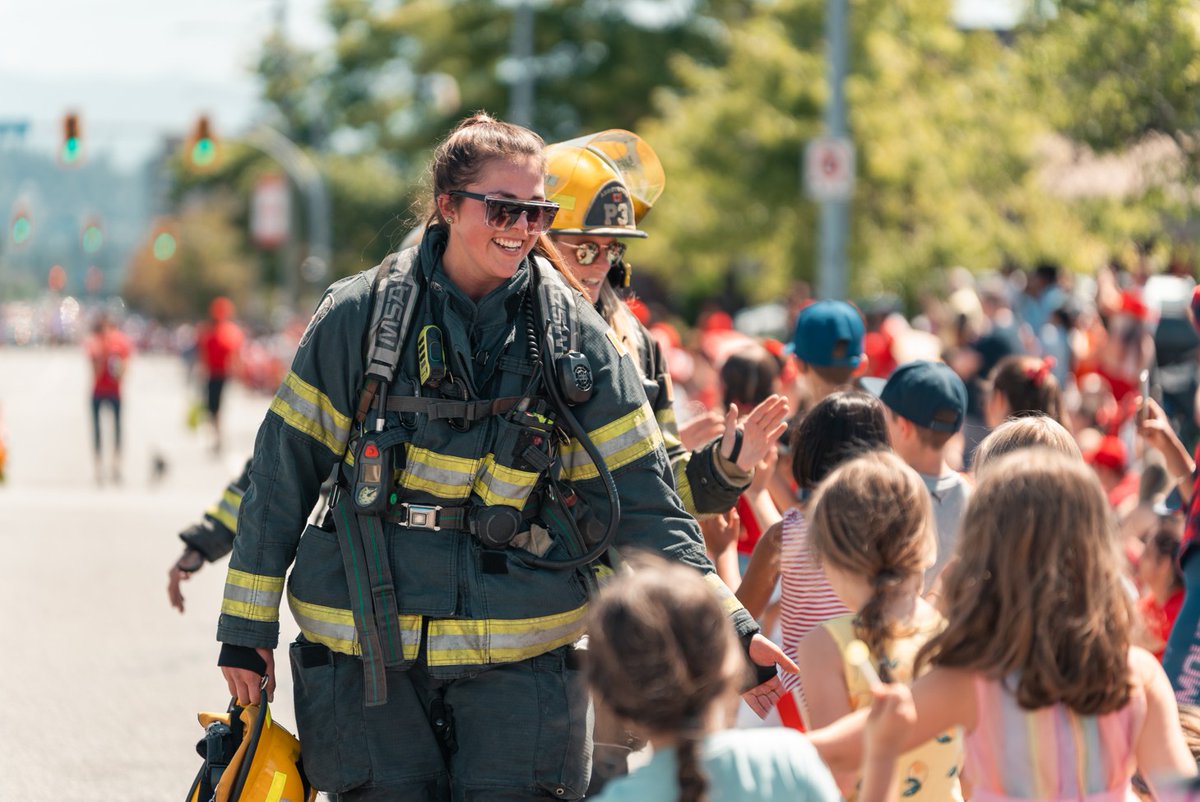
(1144, 392)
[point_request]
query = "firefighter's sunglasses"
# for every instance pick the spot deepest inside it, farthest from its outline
(503, 213)
(586, 252)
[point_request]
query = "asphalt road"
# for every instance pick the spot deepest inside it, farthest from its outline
(100, 679)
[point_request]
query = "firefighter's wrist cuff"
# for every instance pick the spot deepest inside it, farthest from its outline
(234, 656)
(727, 470)
(760, 674)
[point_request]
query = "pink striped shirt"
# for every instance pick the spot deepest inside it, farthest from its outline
(806, 598)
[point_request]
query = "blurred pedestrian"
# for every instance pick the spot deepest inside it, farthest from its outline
(927, 404)
(218, 342)
(108, 350)
(663, 657)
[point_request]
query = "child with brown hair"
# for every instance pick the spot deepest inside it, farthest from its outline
(1035, 663)
(663, 657)
(1021, 385)
(872, 530)
(1027, 431)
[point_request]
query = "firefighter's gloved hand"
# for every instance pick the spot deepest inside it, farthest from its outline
(764, 654)
(760, 430)
(243, 669)
(188, 563)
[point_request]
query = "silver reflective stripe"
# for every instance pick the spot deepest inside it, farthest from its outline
(257, 597)
(495, 485)
(307, 409)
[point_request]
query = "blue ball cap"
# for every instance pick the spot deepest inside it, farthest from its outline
(830, 334)
(930, 394)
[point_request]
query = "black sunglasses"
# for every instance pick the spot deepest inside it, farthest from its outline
(586, 252)
(503, 213)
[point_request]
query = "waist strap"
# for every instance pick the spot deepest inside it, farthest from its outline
(432, 517)
(448, 408)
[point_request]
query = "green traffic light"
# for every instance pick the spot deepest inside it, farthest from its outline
(164, 246)
(204, 152)
(93, 239)
(21, 230)
(70, 151)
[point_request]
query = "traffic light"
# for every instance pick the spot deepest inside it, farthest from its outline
(163, 243)
(92, 235)
(203, 150)
(71, 152)
(21, 226)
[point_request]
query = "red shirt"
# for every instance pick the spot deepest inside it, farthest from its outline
(217, 344)
(108, 352)
(1159, 618)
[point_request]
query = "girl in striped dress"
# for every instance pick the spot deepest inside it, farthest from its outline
(1035, 663)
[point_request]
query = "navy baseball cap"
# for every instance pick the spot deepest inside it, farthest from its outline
(829, 334)
(930, 394)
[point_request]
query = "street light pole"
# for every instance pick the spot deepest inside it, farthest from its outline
(305, 174)
(835, 212)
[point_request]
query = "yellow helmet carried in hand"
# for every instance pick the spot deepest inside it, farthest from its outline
(248, 758)
(604, 183)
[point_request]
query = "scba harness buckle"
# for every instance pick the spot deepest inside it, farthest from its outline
(421, 516)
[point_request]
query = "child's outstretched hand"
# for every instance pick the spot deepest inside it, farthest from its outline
(1155, 429)
(892, 716)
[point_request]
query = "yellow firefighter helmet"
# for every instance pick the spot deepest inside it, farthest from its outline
(604, 183)
(248, 757)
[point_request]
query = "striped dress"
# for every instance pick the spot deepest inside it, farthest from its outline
(806, 598)
(1051, 753)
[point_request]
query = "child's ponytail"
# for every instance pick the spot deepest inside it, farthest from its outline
(872, 518)
(871, 625)
(693, 785)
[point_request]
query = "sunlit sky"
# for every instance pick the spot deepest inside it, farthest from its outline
(137, 70)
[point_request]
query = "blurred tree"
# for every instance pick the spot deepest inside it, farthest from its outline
(209, 259)
(947, 136)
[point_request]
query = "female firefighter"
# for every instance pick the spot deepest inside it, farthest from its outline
(488, 434)
(605, 183)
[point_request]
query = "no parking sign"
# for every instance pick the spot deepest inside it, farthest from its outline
(829, 169)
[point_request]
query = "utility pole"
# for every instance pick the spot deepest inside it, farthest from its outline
(835, 206)
(521, 97)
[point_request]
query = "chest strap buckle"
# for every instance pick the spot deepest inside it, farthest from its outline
(419, 516)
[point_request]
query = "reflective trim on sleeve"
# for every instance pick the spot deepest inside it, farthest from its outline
(683, 485)
(669, 426)
(308, 410)
(626, 439)
(729, 602)
(499, 484)
(225, 511)
(440, 475)
(463, 642)
(252, 596)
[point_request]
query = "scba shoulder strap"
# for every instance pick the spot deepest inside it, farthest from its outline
(393, 305)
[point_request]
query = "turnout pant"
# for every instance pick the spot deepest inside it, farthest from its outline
(516, 731)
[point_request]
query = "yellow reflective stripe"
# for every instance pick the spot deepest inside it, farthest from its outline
(307, 409)
(683, 485)
(603, 574)
(330, 626)
(669, 427)
(620, 442)
(278, 784)
(500, 484)
(225, 511)
(252, 596)
(468, 642)
(729, 602)
(440, 475)
(334, 627)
